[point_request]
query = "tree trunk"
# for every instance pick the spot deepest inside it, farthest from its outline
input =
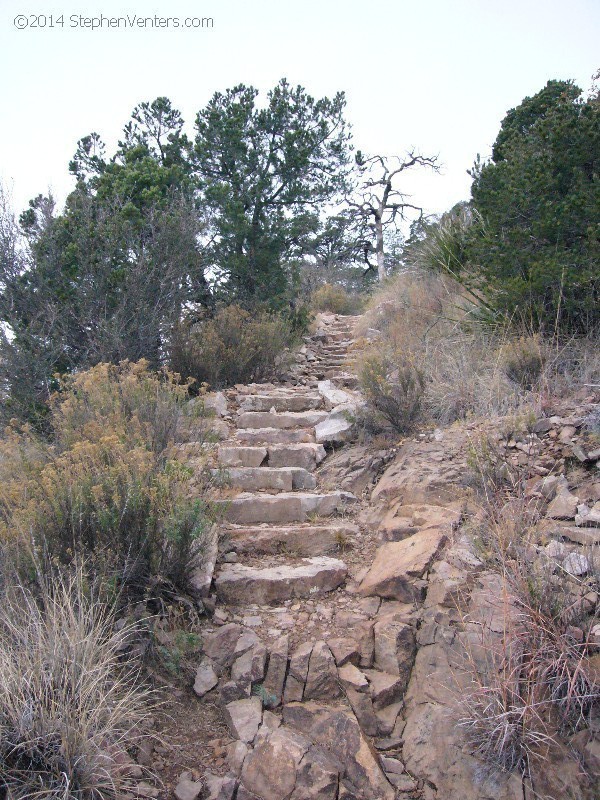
(379, 249)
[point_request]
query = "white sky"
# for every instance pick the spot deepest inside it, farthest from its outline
(435, 74)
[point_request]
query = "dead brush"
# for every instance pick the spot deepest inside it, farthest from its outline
(532, 681)
(69, 710)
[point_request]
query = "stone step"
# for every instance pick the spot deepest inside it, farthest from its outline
(295, 403)
(275, 436)
(343, 378)
(330, 363)
(307, 456)
(279, 479)
(237, 584)
(304, 455)
(286, 420)
(248, 508)
(297, 540)
(234, 456)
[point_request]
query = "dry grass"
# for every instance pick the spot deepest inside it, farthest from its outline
(535, 682)
(334, 298)
(69, 711)
(471, 369)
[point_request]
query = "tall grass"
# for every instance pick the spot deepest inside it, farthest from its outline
(69, 710)
(470, 369)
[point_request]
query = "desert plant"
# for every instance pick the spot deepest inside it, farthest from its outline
(105, 488)
(334, 298)
(523, 360)
(69, 710)
(394, 388)
(234, 346)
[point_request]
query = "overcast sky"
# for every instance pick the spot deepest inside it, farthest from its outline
(438, 75)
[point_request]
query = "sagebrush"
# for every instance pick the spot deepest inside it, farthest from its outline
(105, 487)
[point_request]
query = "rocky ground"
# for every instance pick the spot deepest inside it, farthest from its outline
(350, 593)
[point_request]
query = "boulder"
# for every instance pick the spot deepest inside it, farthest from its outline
(243, 718)
(220, 646)
(384, 688)
(273, 684)
(269, 771)
(236, 753)
(322, 679)
(317, 777)
(338, 425)
(336, 730)
(215, 402)
(352, 678)
(334, 397)
(564, 506)
(219, 787)
(398, 564)
(296, 679)
(232, 456)
(345, 651)
(206, 678)
(186, 788)
(395, 647)
(362, 705)
(202, 574)
(237, 584)
(250, 667)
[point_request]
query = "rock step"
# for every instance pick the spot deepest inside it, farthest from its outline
(298, 540)
(343, 378)
(294, 402)
(269, 436)
(304, 455)
(249, 508)
(237, 584)
(283, 421)
(279, 479)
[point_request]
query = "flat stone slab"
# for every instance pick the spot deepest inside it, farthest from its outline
(249, 508)
(398, 564)
(238, 584)
(231, 456)
(255, 436)
(243, 718)
(294, 402)
(283, 479)
(297, 540)
(304, 455)
(266, 419)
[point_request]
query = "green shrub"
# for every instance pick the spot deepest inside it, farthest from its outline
(68, 709)
(105, 490)
(336, 299)
(234, 346)
(394, 387)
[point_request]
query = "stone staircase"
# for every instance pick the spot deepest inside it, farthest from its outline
(309, 671)
(271, 457)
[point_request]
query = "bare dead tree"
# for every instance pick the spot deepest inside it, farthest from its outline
(379, 204)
